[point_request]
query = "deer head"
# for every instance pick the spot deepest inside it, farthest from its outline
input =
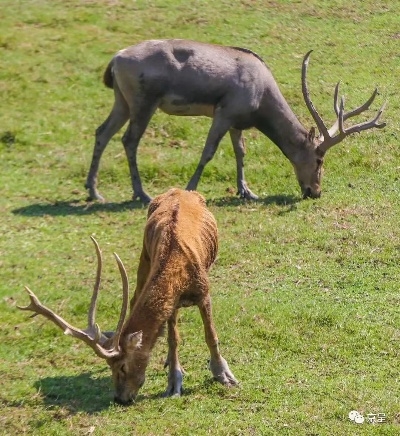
(308, 166)
(117, 348)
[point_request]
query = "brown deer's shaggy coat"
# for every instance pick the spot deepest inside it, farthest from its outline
(180, 245)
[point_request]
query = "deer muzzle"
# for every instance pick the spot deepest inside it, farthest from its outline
(124, 401)
(309, 193)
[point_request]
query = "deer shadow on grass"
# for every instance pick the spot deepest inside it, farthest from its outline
(289, 201)
(75, 207)
(86, 392)
(82, 208)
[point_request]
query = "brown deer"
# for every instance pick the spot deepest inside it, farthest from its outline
(231, 85)
(180, 245)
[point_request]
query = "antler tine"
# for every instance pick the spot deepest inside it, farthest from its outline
(341, 117)
(93, 301)
(369, 124)
(336, 99)
(356, 111)
(363, 107)
(378, 115)
(318, 120)
(39, 309)
(36, 306)
(343, 132)
(336, 108)
(92, 335)
(125, 298)
(330, 138)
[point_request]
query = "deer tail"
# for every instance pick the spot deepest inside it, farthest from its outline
(108, 77)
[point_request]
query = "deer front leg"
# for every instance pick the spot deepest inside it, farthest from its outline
(175, 371)
(218, 365)
(219, 127)
(240, 151)
(119, 115)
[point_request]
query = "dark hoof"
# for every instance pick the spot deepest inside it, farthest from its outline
(144, 198)
(95, 196)
(248, 195)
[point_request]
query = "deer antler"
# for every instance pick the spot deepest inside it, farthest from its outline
(328, 137)
(92, 335)
(92, 326)
(124, 308)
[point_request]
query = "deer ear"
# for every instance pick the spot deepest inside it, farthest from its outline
(134, 340)
(311, 134)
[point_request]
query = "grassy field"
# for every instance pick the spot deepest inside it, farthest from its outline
(305, 293)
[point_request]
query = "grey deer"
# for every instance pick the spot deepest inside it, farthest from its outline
(179, 246)
(234, 87)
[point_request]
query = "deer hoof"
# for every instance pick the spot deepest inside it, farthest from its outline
(96, 197)
(175, 381)
(93, 193)
(245, 192)
(222, 373)
(248, 195)
(143, 197)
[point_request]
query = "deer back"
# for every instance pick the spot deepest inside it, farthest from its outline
(179, 223)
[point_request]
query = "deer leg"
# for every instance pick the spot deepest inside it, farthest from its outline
(239, 148)
(218, 365)
(131, 138)
(219, 127)
(175, 371)
(119, 115)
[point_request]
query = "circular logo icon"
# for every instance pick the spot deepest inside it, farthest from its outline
(353, 414)
(356, 417)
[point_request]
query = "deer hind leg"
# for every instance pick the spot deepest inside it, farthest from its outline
(239, 148)
(219, 127)
(119, 115)
(218, 365)
(175, 371)
(141, 115)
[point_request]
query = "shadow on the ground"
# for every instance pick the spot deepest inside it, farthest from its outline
(75, 207)
(277, 200)
(86, 392)
(78, 207)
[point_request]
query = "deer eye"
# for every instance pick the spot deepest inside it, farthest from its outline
(123, 369)
(319, 162)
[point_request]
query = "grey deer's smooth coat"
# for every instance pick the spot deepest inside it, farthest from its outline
(231, 85)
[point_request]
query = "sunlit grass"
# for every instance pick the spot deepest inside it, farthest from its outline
(305, 293)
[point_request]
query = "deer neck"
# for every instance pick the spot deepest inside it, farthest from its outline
(141, 319)
(278, 122)
(153, 307)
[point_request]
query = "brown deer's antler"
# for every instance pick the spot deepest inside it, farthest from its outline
(124, 308)
(328, 137)
(92, 335)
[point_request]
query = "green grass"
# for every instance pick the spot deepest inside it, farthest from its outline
(305, 293)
